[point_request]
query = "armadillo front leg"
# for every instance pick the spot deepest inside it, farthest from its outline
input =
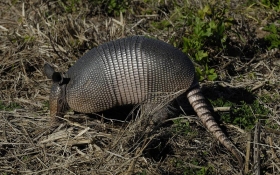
(198, 103)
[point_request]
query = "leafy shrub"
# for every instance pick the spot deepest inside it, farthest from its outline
(204, 28)
(274, 37)
(274, 4)
(243, 115)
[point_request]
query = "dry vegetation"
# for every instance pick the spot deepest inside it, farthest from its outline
(35, 32)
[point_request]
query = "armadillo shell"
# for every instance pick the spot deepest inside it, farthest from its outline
(128, 71)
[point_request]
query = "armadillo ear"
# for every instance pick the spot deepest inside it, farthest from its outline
(48, 70)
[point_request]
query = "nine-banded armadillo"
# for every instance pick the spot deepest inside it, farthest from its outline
(129, 71)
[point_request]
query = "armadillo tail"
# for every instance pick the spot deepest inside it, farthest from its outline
(198, 103)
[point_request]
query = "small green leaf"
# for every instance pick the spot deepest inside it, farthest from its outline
(212, 25)
(212, 77)
(211, 71)
(200, 55)
(208, 32)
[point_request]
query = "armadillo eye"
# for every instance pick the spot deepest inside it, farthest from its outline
(56, 77)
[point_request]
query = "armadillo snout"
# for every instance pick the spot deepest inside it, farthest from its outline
(58, 104)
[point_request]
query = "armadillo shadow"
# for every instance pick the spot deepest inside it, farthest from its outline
(181, 105)
(124, 114)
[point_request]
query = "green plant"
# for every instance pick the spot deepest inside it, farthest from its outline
(45, 104)
(142, 173)
(270, 98)
(204, 28)
(205, 171)
(274, 4)
(22, 39)
(194, 171)
(112, 7)
(201, 34)
(14, 2)
(243, 115)
(117, 6)
(274, 37)
(182, 127)
(206, 72)
(70, 5)
(9, 107)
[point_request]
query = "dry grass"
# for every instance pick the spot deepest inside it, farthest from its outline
(36, 32)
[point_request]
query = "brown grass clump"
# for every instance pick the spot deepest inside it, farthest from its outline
(35, 32)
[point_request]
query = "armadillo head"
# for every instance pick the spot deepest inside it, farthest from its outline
(57, 102)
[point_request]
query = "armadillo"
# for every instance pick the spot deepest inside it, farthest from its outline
(130, 71)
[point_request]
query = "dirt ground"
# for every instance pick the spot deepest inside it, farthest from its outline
(35, 32)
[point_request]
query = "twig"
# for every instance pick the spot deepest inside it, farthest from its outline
(264, 82)
(248, 148)
(257, 149)
(237, 128)
(274, 155)
(258, 86)
(272, 130)
(19, 155)
(82, 132)
(221, 109)
(245, 65)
